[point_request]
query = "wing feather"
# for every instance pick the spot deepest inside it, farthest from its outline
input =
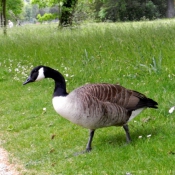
(112, 93)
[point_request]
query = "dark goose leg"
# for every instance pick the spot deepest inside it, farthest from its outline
(91, 135)
(126, 128)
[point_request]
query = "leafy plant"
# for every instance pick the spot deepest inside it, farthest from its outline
(46, 17)
(155, 66)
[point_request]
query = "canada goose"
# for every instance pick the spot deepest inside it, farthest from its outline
(94, 106)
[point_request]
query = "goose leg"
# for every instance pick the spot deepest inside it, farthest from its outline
(126, 128)
(91, 135)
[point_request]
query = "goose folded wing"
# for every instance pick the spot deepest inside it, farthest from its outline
(114, 94)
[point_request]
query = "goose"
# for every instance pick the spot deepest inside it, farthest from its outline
(93, 106)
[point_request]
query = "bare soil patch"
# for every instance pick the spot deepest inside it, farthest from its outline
(6, 168)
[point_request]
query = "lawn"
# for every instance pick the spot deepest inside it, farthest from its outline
(137, 55)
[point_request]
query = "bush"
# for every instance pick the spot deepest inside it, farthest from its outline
(46, 17)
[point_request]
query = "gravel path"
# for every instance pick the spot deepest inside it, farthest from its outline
(5, 167)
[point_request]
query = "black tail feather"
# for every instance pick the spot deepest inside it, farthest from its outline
(151, 103)
(147, 102)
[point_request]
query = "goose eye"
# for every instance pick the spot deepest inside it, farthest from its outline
(34, 71)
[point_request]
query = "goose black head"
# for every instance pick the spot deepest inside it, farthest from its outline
(36, 74)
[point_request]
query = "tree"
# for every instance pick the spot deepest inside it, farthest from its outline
(8, 8)
(66, 9)
(67, 12)
(14, 8)
(129, 10)
(170, 9)
(27, 12)
(3, 16)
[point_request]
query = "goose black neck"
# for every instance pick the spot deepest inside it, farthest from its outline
(60, 83)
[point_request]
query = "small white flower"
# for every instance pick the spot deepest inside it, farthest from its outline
(66, 75)
(140, 137)
(44, 109)
(128, 173)
(148, 135)
(171, 109)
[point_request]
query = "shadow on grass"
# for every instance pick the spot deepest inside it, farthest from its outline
(119, 139)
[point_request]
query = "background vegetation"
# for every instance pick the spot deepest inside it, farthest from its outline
(137, 55)
(70, 12)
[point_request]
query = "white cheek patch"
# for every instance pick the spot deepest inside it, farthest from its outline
(40, 74)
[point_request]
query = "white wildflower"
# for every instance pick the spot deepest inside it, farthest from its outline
(128, 173)
(44, 109)
(140, 137)
(66, 75)
(171, 109)
(16, 78)
(148, 135)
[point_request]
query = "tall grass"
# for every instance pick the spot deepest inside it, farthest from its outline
(137, 55)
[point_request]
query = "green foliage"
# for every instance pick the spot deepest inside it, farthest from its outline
(83, 11)
(151, 10)
(46, 17)
(28, 12)
(126, 10)
(44, 143)
(45, 3)
(66, 9)
(14, 8)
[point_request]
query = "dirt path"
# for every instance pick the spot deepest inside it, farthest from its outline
(5, 167)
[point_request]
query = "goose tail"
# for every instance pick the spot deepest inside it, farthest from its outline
(151, 103)
(146, 102)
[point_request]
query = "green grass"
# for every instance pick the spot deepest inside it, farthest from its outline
(138, 55)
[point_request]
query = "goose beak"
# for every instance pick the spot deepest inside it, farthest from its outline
(29, 80)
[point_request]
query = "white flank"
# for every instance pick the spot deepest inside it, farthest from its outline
(171, 109)
(40, 74)
(65, 108)
(135, 113)
(72, 111)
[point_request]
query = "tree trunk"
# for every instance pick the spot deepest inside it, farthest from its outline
(1, 13)
(170, 9)
(4, 16)
(1, 20)
(67, 12)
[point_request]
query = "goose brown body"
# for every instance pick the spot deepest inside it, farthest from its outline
(99, 105)
(94, 106)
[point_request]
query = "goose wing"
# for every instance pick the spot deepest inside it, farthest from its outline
(100, 110)
(116, 94)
